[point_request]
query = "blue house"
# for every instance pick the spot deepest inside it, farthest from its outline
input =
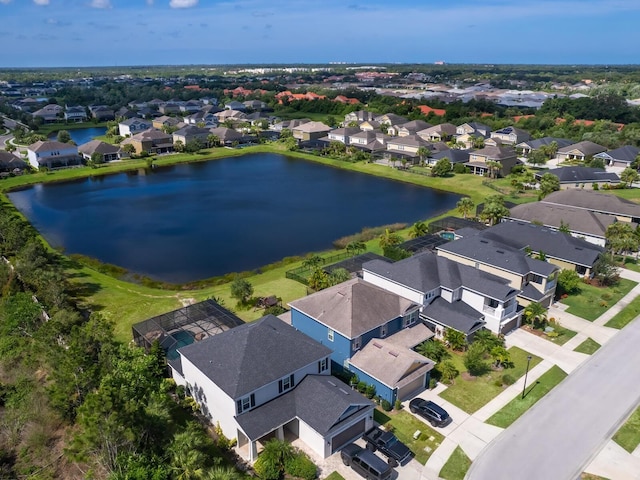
(371, 332)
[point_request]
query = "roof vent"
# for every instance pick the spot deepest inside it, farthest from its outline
(331, 383)
(483, 241)
(393, 354)
(579, 248)
(376, 344)
(344, 391)
(500, 251)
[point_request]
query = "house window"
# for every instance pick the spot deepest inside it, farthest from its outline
(285, 383)
(246, 403)
(536, 279)
(330, 335)
(357, 342)
(384, 330)
(409, 319)
(323, 365)
(493, 303)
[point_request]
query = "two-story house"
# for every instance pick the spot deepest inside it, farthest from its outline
(131, 126)
(407, 147)
(408, 128)
(75, 114)
(359, 116)
(49, 113)
(511, 135)
(438, 133)
(348, 317)
(52, 154)
(474, 128)
(190, 133)
(479, 160)
(266, 379)
(150, 141)
(369, 141)
(342, 135)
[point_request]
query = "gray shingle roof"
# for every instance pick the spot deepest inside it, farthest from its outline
(539, 142)
(457, 315)
(597, 202)
(249, 356)
(97, 146)
(586, 147)
(627, 153)
(318, 400)
(579, 174)
(454, 155)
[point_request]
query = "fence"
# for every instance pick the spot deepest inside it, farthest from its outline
(301, 274)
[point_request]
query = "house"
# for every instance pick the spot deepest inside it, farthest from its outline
(408, 128)
(191, 106)
(534, 279)
(235, 105)
(620, 157)
(75, 114)
(131, 126)
(359, 116)
(52, 154)
(528, 146)
(580, 151)
(581, 177)
(451, 294)
(233, 115)
(474, 128)
(171, 106)
(438, 133)
(342, 135)
(191, 133)
(390, 119)
(102, 113)
(369, 141)
(454, 155)
(565, 251)
(479, 159)
(49, 113)
(622, 209)
(310, 131)
(9, 163)
(256, 105)
(406, 147)
(346, 100)
(106, 150)
(165, 121)
(227, 136)
(357, 319)
(124, 113)
(150, 141)
(289, 124)
(266, 379)
(585, 224)
(426, 110)
(370, 126)
(208, 118)
(511, 135)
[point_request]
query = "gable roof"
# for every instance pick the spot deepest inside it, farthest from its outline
(252, 355)
(10, 161)
(457, 315)
(310, 127)
(579, 174)
(586, 147)
(443, 128)
(98, 146)
(539, 142)
(354, 307)
(495, 153)
(134, 120)
(453, 154)
(49, 145)
(597, 202)
(321, 401)
(627, 153)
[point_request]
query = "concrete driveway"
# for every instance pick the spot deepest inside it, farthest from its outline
(559, 436)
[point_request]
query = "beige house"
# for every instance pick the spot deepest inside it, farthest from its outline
(310, 131)
(150, 141)
(580, 151)
(438, 133)
(479, 160)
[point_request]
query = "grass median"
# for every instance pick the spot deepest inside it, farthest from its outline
(628, 437)
(456, 467)
(626, 315)
(589, 346)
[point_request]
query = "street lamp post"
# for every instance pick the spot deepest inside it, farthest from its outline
(525, 375)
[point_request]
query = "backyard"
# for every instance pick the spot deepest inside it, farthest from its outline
(404, 425)
(472, 393)
(593, 301)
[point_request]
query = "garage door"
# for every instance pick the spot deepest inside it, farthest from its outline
(409, 388)
(507, 327)
(350, 434)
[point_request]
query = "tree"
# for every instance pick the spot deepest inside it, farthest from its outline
(213, 140)
(96, 159)
(488, 339)
(474, 360)
(605, 270)
(418, 230)
(319, 279)
(500, 355)
(629, 176)
(494, 209)
(549, 183)
(494, 168)
(10, 147)
(535, 314)
(129, 148)
(465, 206)
(178, 146)
(477, 141)
(356, 247)
(338, 275)
(241, 290)
(390, 239)
(63, 136)
(568, 282)
(313, 261)
(271, 462)
(621, 238)
(442, 168)
(537, 157)
(455, 339)
(423, 153)
(448, 371)
(434, 350)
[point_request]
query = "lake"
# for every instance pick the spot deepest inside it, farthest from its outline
(200, 220)
(82, 135)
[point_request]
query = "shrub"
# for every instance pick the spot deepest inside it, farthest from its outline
(301, 466)
(508, 379)
(459, 168)
(398, 404)
(432, 383)
(362, 386)
(275, 310)
(474, 360)
(498, 382)
(370, 391)
(265, 469)
(386, 405)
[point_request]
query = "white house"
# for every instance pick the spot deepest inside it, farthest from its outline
(132, 126)
(52, 154)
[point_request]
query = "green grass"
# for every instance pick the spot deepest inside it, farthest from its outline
(471, 395)
(560, 335)
(404, 425)
(593, 301)
(589, 346)
(456, 467)
(335, 476)
(629, 263)
(628, 437)
(535, 391)
(47, 128)
(626, 315)
(591, 476)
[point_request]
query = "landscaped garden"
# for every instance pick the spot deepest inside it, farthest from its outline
(593, 301)
(628, 437)
(589, 346)
(456, 467)
(534, 392)
(404, 426)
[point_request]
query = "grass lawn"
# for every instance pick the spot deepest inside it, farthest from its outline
(471, 395)
(628, 263)
(589, 346)
(559, 336)
(404, 425)
(456, 467)
(335, 476)
(628, 437)
(591, 476)
(535, 391)
(593, 301)
(626, 315)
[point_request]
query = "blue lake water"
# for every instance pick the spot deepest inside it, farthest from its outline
(201, 220)
(83, 135)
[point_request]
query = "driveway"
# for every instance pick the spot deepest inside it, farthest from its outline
(562, 433)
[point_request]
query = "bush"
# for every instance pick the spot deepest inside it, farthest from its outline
(474, 360)
(460, 168)
(266, 470)
(386, 405)
(362, 387)
(432, 383)
(508, 379)
(398, 404)
(275, 310)
(370, 391)
(301, 466)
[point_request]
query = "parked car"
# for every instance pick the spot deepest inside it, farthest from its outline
(430, 411)
(366, 463)
(388, 444)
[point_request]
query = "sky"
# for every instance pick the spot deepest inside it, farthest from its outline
(59, 33)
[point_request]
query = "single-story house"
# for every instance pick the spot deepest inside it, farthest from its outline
(620, 157)
(581, 177)
(106, 150)
(9, 163)
(580, 151)
(622, 209)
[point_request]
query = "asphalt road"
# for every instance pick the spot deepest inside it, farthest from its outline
(560, 435)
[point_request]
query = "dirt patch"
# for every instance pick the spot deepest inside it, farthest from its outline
(468, 377)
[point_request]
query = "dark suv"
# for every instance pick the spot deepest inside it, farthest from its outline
(433, 413)
(365, 462)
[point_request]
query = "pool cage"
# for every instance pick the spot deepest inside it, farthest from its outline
(425, 242)
(184, 326)
(454, 223)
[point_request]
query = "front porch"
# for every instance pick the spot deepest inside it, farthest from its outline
(250, 449)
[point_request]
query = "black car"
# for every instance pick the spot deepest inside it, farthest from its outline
(388, 444)
(365, 462)
(432, 412)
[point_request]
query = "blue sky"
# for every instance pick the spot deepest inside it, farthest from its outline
(49, 33)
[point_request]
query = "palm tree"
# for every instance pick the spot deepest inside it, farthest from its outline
(448, 371)
(494, 168)
(535, 314)
(456, 339)
(500, 355)
(418, 229)
(434, 350)
(313, 262)
(213, 140)
(356, 247)
(423, 152)
(222, 473)
(465, 206)
(389, 239)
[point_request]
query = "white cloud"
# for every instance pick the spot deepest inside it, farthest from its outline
(41, 2)
(183, 3)
(5, 2)
(149, 2)
(101, 3)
